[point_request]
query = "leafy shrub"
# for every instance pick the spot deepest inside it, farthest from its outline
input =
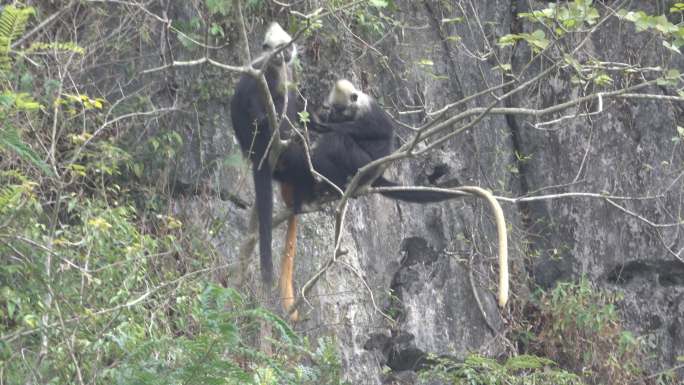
(520, 370)
(216, 349)
(579, 327)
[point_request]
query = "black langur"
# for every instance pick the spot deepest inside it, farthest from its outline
(357, 132)
(253, 132)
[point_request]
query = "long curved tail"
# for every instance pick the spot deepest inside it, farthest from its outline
(263, 187)
(411, 196)
(287, 296)
(502, 235)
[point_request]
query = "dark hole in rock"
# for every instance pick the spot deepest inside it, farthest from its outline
(671, 273)
(417, 250)
(623, 274)
(437, 172)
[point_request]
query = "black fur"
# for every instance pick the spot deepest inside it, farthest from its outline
(253, 132)
(351, 140)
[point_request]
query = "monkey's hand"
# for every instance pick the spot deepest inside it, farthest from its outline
(318, 126)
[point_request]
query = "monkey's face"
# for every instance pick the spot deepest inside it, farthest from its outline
(341, 113)
(276, 38)
(286, 56)
(343, 103)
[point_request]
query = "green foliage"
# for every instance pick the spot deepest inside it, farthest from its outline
(378, 3)
(10, 140)
(671, 78)
(673, 34)
(643, 21)
(216, 30)
(13, 22)
(254, 4)
(17, 101)
(680, 135)
(218, 350)
(537, 40)
(559, 19)
(138, 319)
(577, 16)
(10, 137)
(579, 328)
(565, 17)
(520, 370)
(582, 308)
(220, 7)
(572, 337)
(98, 280)
(189, 32)
(374, 18)
(76, 103)
(601, 79)
(55, 46)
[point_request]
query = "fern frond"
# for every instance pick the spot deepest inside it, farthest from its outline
(18, 101)
(65, 47)
(10, 140)
(24, 102)
(15, 186)
(13, 22)
(9, 196)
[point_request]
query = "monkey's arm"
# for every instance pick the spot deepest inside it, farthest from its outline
(358, 129)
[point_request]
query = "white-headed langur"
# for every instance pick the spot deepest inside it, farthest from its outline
(253, 132)
(357, 131)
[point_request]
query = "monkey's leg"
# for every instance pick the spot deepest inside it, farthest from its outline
(287, 295)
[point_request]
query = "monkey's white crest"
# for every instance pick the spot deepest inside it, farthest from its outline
(275, 38)
(345, 95)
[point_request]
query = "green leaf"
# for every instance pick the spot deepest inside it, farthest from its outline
(31, 320)
(539, 34)
(56, 46)
(221, 7)
(537, 39)
(452, 20)
(304, 116)
(503, 67)
(509, 39)
(602, 80)
(378, 3)
(216, 30)
(10, 309)
(13, 22)
(671, 78)
(10, 140)
(283, 327)
(671, 47)
(426, 63)
(528, 362)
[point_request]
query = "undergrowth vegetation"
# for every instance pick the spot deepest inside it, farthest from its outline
(99, 282)
(571, 335)
(579, 327)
